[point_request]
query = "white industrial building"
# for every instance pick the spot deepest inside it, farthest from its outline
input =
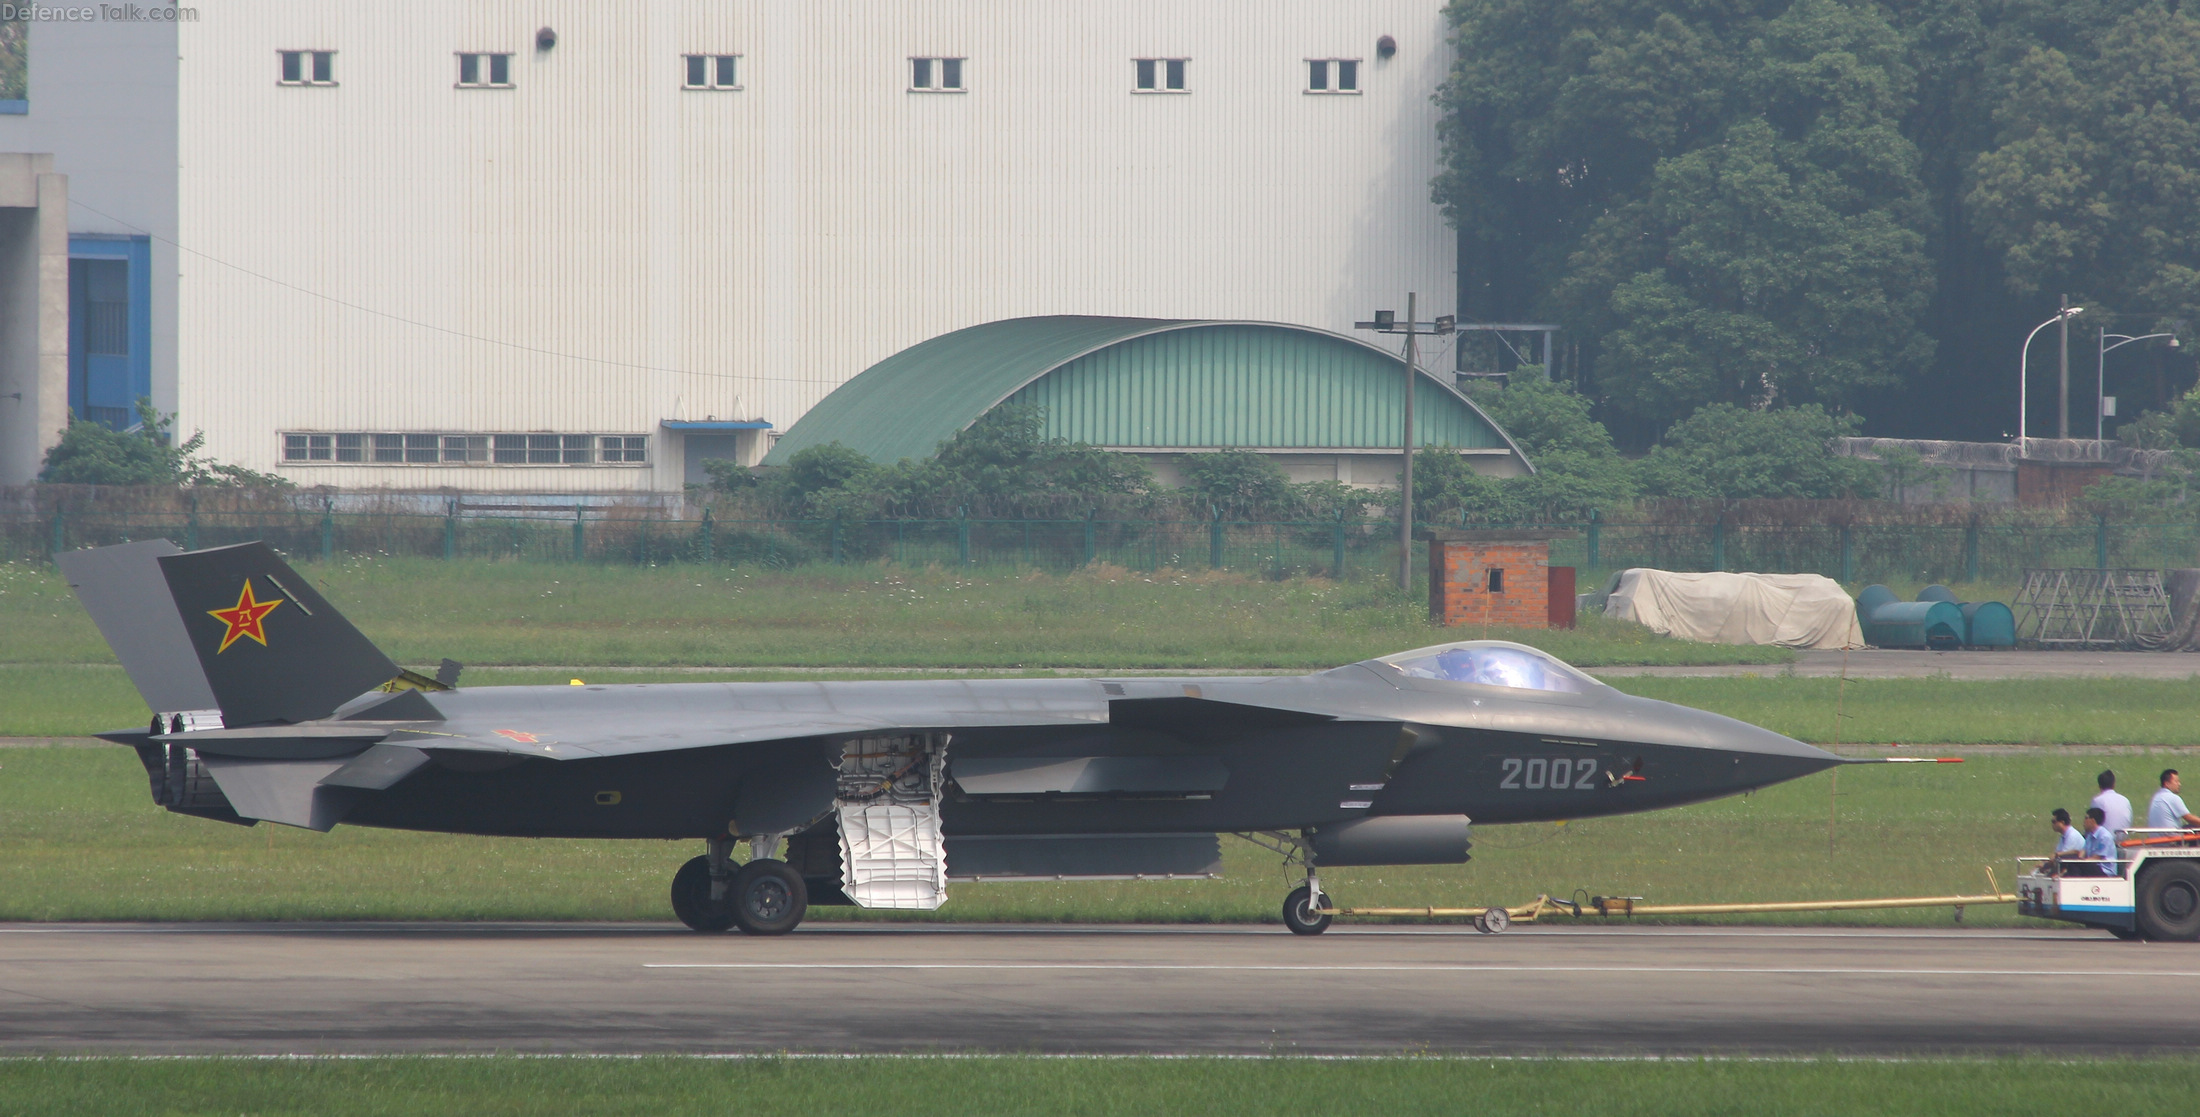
(542, 245)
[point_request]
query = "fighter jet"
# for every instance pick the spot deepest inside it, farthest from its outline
(272, 707)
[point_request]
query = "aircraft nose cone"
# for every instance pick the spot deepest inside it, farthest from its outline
(1680, 725)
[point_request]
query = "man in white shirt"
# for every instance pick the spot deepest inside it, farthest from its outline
(2167, 811)
(2115, 809)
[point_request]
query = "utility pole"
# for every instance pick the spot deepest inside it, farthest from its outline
(1387, 322)
(2062, 398)
(1405, 494)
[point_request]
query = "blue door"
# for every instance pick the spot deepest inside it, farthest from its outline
(110, 323)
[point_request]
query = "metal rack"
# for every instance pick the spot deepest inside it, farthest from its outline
(2091, 608)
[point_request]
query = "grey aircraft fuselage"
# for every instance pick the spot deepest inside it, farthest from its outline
(1201, 755)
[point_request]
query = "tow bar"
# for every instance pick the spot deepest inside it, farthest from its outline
(1494, 920)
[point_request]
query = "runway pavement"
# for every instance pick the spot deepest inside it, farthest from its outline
(873, 988)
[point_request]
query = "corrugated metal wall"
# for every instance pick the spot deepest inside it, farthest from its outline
(1245, 386)
(597, 249)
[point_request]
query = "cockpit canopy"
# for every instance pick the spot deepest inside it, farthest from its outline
(1490, 663)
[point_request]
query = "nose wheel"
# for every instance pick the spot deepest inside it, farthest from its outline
(1302, 911)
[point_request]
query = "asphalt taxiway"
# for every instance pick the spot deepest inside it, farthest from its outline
(195, 988)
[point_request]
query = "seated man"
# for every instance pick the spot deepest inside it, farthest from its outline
(2167, 811)
(2100, 842)
(2068, 841)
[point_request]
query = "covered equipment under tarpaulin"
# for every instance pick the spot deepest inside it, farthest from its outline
(1791, 610)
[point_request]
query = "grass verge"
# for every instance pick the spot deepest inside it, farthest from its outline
(60, 700)
(1094, 1087)
(421, 610)
(83, 842)
(1934, 711)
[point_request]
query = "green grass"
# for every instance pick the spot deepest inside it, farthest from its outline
(1096, 1087)
(860, 616)
(1931, 711)
(83, 842)
(43, 700)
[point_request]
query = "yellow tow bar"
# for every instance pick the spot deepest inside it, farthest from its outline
(1494, 919)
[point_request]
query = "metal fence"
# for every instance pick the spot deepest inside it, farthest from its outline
(1858, 553)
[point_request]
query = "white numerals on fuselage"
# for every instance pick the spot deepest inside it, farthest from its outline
(1537, 773)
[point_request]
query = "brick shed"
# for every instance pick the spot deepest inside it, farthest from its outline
(1494, 576)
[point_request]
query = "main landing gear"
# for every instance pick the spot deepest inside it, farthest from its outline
(764, 897)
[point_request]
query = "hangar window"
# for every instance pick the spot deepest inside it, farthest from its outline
(485, 71)
(1159, 75)
(1491, 663)
(1332, 75)
(400, 448)
(711, 71)
(935, 75)
(308, 67)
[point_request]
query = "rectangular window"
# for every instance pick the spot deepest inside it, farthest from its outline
(936, 75)
(1319, 72)
(1159, 75)
(461, 449)
(485, 71)
(395, 448)
(711, 71)
(623, 448)
(307, 67)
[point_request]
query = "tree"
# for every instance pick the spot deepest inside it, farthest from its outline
(1003, 463)
(1724, 452)
(1767, 202)
(2094, 183)
(1577, 469)
(1239, 482)
(92, 454)
(1782, 259)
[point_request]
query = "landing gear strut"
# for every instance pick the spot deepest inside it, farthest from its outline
(763, 897)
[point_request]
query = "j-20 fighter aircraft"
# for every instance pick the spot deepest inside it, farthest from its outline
(272, 707)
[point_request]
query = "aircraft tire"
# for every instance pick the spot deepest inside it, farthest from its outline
(2169, 901)
(768, 898)
(1298, 912)
(691, 899)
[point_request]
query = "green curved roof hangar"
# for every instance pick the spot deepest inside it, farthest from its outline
(1153, 386)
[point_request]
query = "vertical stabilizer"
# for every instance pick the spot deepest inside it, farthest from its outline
(122, 588)
(273, 650)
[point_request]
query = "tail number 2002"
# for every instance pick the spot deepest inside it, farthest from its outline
(1553, 774)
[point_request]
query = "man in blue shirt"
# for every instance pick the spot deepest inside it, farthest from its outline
(2069, 843)
(2100, 842)
(2167, 811)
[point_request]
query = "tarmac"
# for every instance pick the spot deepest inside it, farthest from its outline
(617, 988)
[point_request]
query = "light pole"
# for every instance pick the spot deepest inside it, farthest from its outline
(2100, 370)
(2063, 315)
(1387, 322)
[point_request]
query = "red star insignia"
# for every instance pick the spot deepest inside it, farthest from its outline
(244, 618)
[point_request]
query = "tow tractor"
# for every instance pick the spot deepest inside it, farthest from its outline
(2152, 891)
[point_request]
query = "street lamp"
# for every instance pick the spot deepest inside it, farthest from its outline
(1386, 322)
(2063, 315)
(2100, 370)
